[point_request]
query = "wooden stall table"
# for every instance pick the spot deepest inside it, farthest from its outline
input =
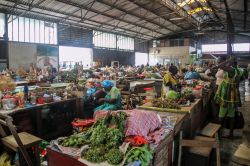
(162, 152)
(191, 123)
(61, 113)
(158, 84)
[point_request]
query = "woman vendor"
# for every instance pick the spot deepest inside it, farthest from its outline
(93, 94)
(168, 83)
(112, 100)
(191, 74)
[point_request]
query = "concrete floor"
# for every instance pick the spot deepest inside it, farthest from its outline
(228, 147)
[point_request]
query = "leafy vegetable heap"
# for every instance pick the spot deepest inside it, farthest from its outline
(105, 137)
(165, 103)
(75, 140)
(140, 153)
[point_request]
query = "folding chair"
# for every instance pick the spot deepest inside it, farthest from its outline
(19, 142)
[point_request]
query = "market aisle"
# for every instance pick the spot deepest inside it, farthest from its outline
(228, 147)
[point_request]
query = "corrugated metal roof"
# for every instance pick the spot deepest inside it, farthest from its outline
(146, 18)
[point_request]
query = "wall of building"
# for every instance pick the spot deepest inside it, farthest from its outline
(105, 56)
(181, 53)
(23, 54)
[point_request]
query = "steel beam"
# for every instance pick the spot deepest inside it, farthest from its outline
(245, 14)
(135, 15)
(214, 12)
(230, 30)
(175, 8)
(71, 22)
(106, 15)
(155, 13)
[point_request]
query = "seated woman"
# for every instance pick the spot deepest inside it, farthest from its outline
(112, 100)
(191, 74)
(90, 102)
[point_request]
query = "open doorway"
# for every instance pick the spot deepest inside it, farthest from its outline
(141, 58)
(69, 56)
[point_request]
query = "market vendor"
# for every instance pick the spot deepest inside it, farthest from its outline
(93, 94)
(191, 74)
(168, 83)
(112, 100)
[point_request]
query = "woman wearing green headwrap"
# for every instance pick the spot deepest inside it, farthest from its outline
(112, 100)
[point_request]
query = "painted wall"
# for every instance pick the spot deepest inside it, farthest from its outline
(181, 53)
(106, 56)
(23, 54)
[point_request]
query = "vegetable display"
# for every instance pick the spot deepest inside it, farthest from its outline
(75, 140)
(114, 156)
(105, 136)
(165, 103)
(140, 153)
(172, 95)
(95, 154)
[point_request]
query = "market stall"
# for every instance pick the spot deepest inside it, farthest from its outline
(161, 149)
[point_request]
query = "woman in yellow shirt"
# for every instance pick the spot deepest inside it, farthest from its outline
(168, 82)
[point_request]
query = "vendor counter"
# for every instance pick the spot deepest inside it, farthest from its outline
(47, 121)
(197, 113)
(162, 151)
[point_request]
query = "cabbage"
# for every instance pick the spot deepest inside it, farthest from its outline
(173, 95)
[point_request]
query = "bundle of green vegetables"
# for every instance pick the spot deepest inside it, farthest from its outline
(75, 140)
(142, 154)
(165, 103)
(105, 137)
(69, 76)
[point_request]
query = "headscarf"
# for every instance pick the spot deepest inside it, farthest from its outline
(107, 83)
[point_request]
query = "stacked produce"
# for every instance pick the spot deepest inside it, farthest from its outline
(165, 103)
(175, 100)
(6, 83)
(142, 154)
(103, 138)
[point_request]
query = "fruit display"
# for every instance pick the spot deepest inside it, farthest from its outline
(6, 83)
(165, 103)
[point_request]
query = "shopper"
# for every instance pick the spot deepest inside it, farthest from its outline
(173, 69)
(219, 77)
(112, 100)
(228, 98)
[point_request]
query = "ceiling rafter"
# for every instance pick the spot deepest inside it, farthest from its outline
(74, 16)
(175, 8)
(70, 22)
(153, 11)
(135, 15)
(214, 12)
(91, 4)
(106, 15)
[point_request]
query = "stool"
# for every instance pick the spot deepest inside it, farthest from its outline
(202, 145)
